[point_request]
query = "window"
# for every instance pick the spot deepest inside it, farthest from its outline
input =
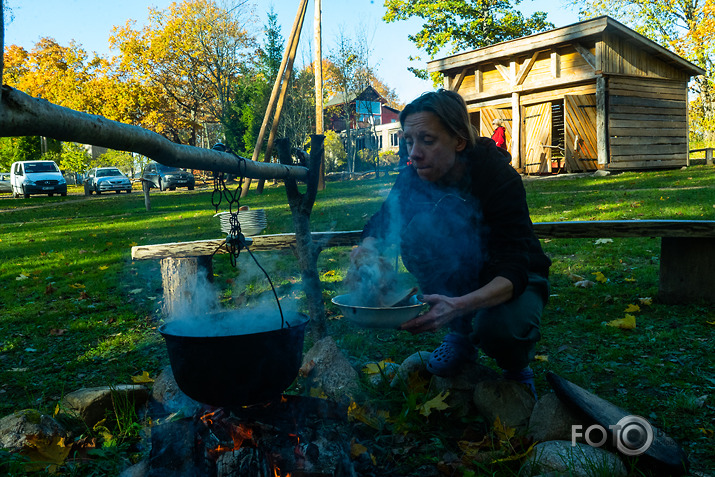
(367, 110)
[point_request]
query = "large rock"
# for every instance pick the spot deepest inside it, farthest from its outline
(580, 460)
(17, 427)
(551, 420)
(462, 385)
(94, 404)
(167, 393)
(510, 401)
(326, 368)
(416, 363)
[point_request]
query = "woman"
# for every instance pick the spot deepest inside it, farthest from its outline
(460, 217)
(499, 135)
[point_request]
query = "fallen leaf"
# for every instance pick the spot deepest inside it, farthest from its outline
(136, 291)
(142, 378)
(574, 278)
(541, 357)
(83, 295)
(710, 323)
(57, 332)
(602, 241)
(648, 301)
(632, 308)
(76, 285)
(356, 449)
(329, 273)
(21, 277)
(45, 453)
(516, 456)
(49, 289)
(361, 414)
(471, 449)
(629, 280)
(103, 267)
(707, 432)
(503, 432)
(376, 368)
(627, 323)
(600, 277)
(436, 403)
(133, 244)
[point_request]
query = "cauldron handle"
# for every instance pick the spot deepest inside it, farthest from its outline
(283, 323)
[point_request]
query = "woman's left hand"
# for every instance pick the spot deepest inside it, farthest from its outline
(443, 309)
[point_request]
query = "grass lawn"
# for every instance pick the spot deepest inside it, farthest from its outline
(76, 311)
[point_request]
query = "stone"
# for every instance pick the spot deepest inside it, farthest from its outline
(462, 385)
(552, 420)
(93, 404)
(510, 401)
(167, 393)
(601, 173)
(15, 429)
(415, 363)
(388, 373)
(580, 460)
(326, 368)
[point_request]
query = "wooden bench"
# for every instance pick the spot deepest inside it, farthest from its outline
(687, 256)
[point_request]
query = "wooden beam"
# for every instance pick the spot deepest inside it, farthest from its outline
(526, 68)
(602, 120)
(555, 64)
(586, 55)
(478, 80)
(516, 127)
(504, 72)
(458, 81)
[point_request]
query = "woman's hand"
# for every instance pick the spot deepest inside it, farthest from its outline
(443, 309)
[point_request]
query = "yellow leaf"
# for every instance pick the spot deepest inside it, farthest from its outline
(541, 357)
(627, 323)
(707, 432)
(356, 449)
(632, 308)
(361, 414)
(600, 277)
(630, 280)
(77, 285)
(376, 368)
(109, 244)
(710, 323)
(103, 267)
(45, 453)
(648, 301)
(503, 432)
(142, 378)
(471, 449)
(516, 456)
(329, 273)
(133, 244)
(437, 404)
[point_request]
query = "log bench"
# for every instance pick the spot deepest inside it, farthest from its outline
(687, 255)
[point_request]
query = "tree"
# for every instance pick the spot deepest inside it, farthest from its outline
(193, 53)
(74, 157)
(686, 27)
(334, 152)
(455, 25)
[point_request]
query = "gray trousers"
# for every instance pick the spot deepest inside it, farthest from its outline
(508, 332)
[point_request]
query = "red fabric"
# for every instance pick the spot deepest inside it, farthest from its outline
(499, 137)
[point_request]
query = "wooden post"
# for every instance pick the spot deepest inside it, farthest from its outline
(145, 189)
(318, 72)
(601, 121)
(709, 156)
(184, 294)
(516, 132)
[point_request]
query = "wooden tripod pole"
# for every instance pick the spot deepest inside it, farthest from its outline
(281, 102)
(294, 37)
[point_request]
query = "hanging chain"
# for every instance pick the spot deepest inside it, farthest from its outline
(235, 239)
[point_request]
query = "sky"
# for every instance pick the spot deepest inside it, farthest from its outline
(90, 22)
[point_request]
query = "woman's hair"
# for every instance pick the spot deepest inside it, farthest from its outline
(450, 109)
(498, 122)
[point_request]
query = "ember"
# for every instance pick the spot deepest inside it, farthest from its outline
(295, 436)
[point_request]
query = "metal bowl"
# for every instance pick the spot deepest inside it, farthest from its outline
(378, 317)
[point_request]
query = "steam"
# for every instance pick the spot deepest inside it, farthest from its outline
(199, 311)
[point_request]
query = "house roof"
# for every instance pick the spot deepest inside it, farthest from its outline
(341, 98)
(592, 28)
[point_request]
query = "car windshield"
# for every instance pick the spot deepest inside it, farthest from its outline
(168, 169)
(108, 172)
(32, 167)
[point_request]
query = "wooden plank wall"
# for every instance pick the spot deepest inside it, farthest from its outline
(580, 114)
(487, 115)
(621, 56)
(647, 123)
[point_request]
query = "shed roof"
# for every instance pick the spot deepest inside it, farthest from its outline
(592, 28)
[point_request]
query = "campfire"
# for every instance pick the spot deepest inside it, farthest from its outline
(294, 436)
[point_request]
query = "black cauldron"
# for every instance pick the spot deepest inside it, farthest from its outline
(218, 360)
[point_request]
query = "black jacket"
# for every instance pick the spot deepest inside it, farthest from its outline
(455, 240)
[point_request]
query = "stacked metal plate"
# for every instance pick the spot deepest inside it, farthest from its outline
(253, 221)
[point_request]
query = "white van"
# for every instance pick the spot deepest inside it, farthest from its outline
(36, 177)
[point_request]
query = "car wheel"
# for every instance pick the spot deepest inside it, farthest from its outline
(14, 194)
(117, 191)
(172, 188)
(63, 194)
(51, 194)
(25, 194)
(191, 187)
(161, 186)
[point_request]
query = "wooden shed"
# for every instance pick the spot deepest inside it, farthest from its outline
(592, 95)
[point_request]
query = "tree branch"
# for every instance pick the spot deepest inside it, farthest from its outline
(23, 115)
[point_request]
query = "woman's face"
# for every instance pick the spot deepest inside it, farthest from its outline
(433, 150)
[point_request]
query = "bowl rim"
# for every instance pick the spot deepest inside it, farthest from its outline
(412, 305)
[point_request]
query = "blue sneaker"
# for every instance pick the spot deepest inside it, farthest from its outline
(524, 376)
(455, 351)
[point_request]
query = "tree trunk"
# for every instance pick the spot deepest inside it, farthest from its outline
(301, 206)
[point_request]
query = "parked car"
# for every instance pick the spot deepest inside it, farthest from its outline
(36, 177)
(106, 179)
(166, 177)
(5, 186)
